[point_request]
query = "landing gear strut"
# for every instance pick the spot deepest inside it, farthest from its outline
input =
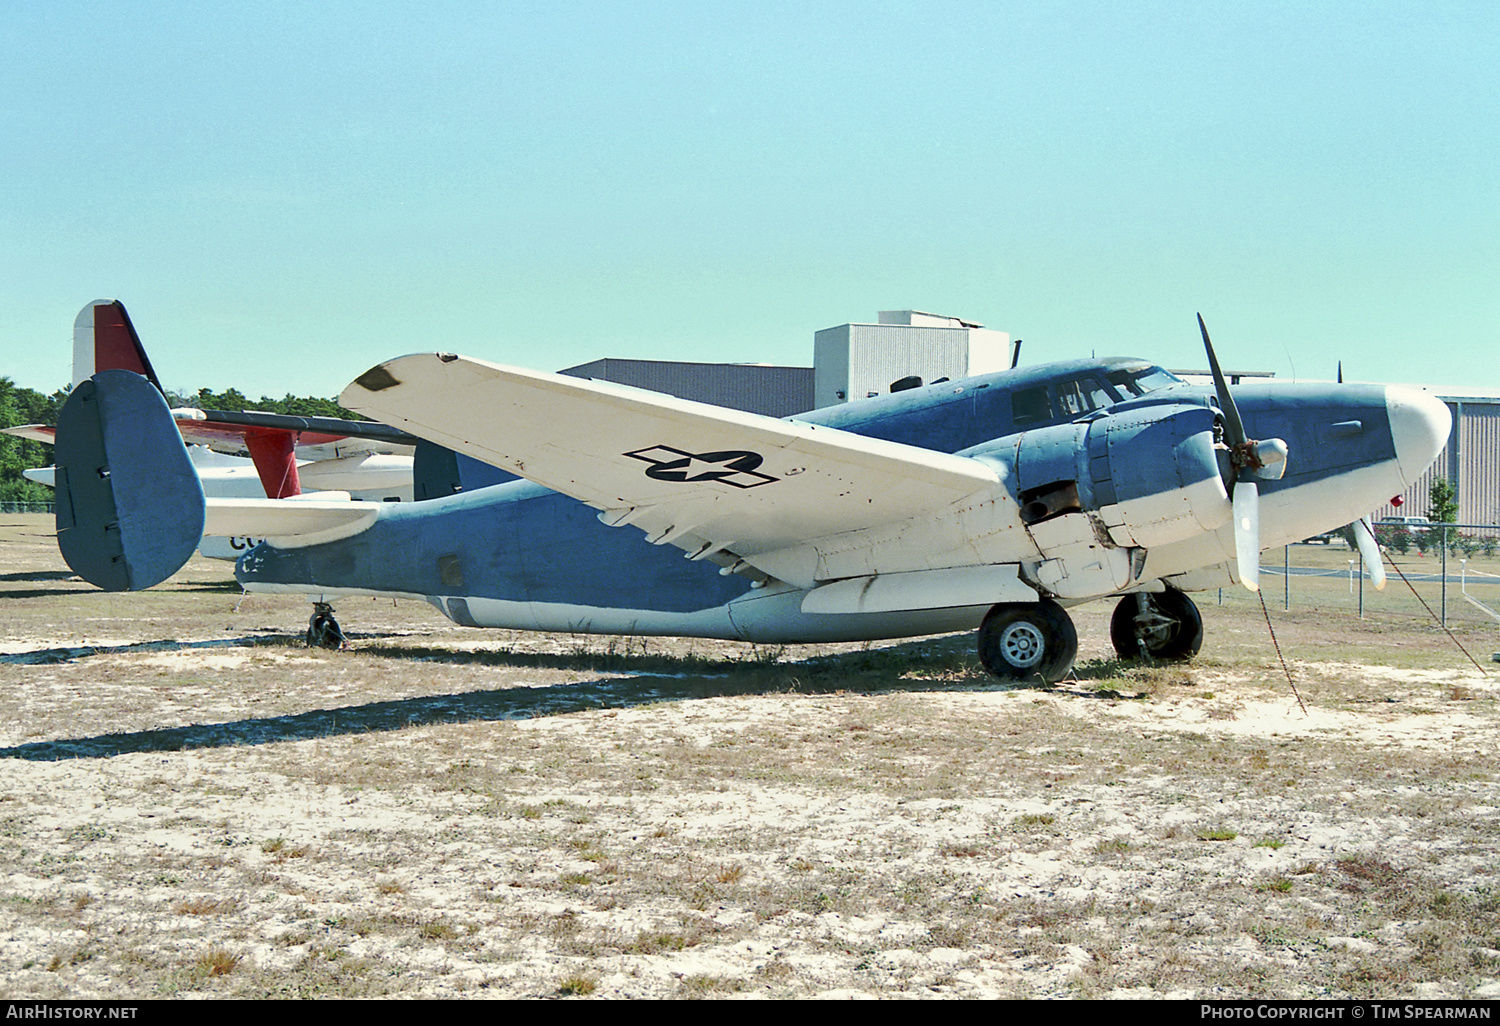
(1160, 625)
(1028, 641)
(323, 630)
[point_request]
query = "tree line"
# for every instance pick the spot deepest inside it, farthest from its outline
(20, 405)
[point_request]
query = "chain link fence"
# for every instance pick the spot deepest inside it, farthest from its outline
(1453, 570)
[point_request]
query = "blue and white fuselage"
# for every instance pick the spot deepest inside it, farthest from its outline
(1106, 481)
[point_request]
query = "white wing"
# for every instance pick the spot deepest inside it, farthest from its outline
(718, 483)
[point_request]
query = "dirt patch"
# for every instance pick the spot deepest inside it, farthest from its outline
(193, 804)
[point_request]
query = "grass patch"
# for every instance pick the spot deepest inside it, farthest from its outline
(205, 905)
(216, 961)
(577, 986)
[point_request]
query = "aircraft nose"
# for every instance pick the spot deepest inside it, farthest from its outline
(1419, 428)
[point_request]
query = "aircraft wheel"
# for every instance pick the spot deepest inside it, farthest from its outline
(323, 630)
(1161, 625)
(1028, 641)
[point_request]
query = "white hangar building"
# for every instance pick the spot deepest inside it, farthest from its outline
(850, 361)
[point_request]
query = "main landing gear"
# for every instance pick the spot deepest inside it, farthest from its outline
(1028, 641)
(323, 630)
(1159, 625)
(1036, 641)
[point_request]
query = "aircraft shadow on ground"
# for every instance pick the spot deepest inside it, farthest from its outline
(71, 653)
(629, 680)
(68, 577)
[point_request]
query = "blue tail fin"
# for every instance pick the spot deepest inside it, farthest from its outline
(129, 504)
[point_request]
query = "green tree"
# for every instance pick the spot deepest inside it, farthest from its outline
(24, 406)
(1443, 509)
(234, 401)
(1443, 499)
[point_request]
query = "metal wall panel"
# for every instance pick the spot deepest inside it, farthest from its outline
(755, 388)
(1474, 464)
(860, 360)
(1479, 463)
(880, 354)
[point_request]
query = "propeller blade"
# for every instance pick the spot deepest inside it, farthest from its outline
(1369, 551)
(1234, 428)
(1247, 533)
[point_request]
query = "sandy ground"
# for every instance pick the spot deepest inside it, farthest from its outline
(193, 804)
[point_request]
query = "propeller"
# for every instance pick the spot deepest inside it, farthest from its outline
(1249, 460)
(1369, 551)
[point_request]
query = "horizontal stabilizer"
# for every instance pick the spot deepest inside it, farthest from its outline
(32, 433)
(129, 504)
(290, 522)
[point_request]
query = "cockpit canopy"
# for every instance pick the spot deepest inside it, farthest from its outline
(1070, 397)
(951, 416)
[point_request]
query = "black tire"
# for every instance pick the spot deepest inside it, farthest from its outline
(1172, 628)
(1033, 641)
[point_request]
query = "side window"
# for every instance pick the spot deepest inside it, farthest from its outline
(1069, 399)
(1097, 395)
(1029, 405)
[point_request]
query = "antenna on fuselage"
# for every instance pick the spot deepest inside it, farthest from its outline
(1015, 355)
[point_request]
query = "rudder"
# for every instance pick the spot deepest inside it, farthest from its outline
(130, 507)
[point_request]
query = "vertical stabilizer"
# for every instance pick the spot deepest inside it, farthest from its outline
(130, 507)
(104, 339)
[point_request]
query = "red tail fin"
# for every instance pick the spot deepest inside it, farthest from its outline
(104, 339)
(275, 456)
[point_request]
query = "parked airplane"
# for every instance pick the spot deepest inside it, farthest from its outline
(259, 454)
(992, 502)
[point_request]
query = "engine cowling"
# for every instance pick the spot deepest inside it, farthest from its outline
(1095, 495)
(1154, 474)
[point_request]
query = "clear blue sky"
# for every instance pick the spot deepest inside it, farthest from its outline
(284, 194)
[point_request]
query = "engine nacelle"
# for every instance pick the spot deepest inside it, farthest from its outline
(1095, 494)
(1154, 475)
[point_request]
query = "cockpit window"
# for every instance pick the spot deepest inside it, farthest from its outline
(1072, 398)
(1080, 396)
(1140, 380)
(1066, 400)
